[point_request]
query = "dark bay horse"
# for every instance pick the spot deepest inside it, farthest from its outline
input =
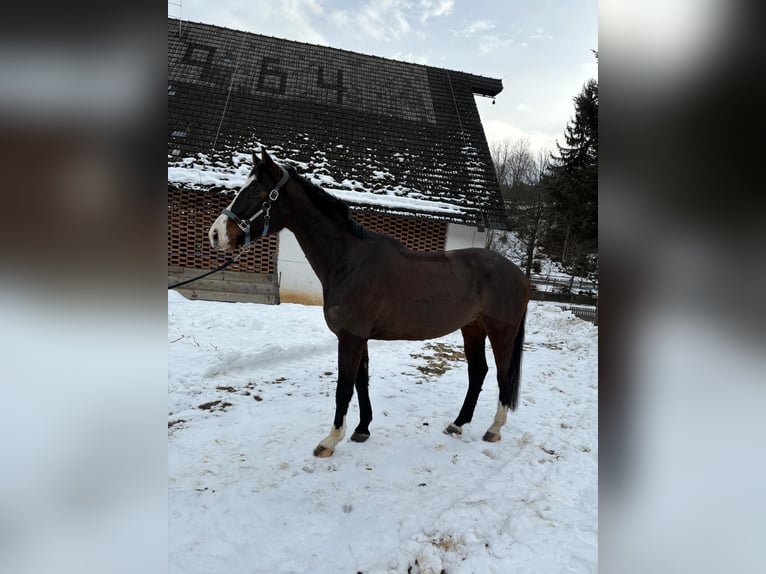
(375, 288)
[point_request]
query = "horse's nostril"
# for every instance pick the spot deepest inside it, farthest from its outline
(215, 235)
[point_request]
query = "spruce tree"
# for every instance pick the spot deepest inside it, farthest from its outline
(573, 185)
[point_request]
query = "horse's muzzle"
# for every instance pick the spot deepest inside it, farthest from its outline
(218, 234)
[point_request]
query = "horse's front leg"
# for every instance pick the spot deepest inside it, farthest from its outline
(362, 431)
(350, 350)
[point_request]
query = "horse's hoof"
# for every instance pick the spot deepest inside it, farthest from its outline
(453, 429)
(322, 451)
(491, 437)
(360, 436)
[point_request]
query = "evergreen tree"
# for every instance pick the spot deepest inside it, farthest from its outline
(573, 185)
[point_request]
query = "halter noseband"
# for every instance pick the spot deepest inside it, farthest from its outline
(265, 210)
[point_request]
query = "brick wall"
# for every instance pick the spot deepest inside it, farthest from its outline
(417, 234)
(190, 214)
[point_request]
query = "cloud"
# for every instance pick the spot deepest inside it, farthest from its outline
(264, 17)
(341, 19)
(540, 35)
(410, 57)
(473, 27)
(381, 20)
(490, 43)
(498, 130)
(435, 8)
(386, 20)
(369, 20)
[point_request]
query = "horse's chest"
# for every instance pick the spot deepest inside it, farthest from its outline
(354, 320)
(332, 316)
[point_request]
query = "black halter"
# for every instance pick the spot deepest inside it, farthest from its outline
(265, 210)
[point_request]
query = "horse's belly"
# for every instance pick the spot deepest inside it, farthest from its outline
(411, 335)
(423, 321)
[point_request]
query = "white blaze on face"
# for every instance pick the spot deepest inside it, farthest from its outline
(218, 235)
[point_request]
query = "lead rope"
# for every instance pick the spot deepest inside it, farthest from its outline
(216, 270)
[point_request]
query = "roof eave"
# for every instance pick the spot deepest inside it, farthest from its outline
(483, 86)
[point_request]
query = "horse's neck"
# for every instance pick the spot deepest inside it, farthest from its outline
(323, 239)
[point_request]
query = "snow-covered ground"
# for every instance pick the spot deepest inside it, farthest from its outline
(251, 392)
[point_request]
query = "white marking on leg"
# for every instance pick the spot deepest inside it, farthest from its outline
(335, 436)
(500, 417)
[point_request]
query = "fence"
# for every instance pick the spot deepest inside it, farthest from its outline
(563, 298)
(578, 283)
(584, 313)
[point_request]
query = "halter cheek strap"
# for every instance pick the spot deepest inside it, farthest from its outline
(265, 210)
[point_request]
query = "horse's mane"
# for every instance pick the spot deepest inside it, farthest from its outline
(329, 205)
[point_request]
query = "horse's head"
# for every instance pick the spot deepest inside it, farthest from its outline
(255, 211)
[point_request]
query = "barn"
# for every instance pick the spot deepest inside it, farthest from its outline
(401, 143)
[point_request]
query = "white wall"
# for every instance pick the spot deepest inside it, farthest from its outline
(462, 236)
(299, 284)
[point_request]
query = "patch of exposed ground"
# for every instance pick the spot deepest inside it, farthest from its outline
(441, 358)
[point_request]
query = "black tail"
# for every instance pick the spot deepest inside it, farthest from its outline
(510, 395)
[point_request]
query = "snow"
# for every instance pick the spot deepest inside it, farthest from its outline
(201, 172)
(395, 202)
(196, 176)
(553, 277)
(207, 177)
(246, 494)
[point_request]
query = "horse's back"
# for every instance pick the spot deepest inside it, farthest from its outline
(503, 287)
(490, 266)
(449, 289)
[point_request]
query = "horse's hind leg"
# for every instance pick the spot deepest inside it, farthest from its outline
(507, 341)
(474, 338)
(362, 431)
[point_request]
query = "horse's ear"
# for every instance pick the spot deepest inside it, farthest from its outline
(271, 167)
(255, 158)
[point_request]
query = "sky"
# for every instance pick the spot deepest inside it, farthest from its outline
(540, 49)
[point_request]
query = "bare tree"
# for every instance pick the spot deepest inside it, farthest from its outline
(535, 208)
(519, 172)
(514, 161)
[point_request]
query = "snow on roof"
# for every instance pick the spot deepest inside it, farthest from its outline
(202, 172)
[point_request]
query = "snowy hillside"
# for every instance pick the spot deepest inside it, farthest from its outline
(552, 275)
(251, 392)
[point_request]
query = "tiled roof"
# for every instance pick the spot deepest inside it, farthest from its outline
(351, 122)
